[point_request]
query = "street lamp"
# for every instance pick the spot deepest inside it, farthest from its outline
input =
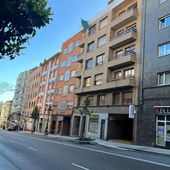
(19, 114)
(50, 108)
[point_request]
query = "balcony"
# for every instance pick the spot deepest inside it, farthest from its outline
(78, 73)
(80, 57)
(124, 38)
(77, 89)
(122, 60)
(82, 42)
(121, 82)
(124, 18)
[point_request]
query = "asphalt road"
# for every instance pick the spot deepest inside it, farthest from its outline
(30, 152)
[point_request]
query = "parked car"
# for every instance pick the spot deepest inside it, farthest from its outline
(11, 128)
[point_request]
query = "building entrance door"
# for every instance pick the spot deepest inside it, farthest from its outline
(102, 129)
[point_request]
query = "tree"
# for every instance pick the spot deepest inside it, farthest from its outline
(34, 116)
(19, 21)
(84, 111)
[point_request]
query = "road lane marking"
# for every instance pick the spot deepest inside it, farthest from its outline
(98, 151)
(32, 149)
(80, 166)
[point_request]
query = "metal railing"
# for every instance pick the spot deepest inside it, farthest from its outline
(120, 78)
(122, 55)
(124, 13)
(123, 33)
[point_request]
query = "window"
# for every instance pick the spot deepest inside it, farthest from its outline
(90, 46)
(164, 78)
(103, 22)
(102, 41)
(164, 49)
(51, 75)
(91, 100)
(59, 91)
(116, 99)
(131, 27)
(101, 99)
(134, 6)
(76, 44)
(71, 88)
(75, 58)
(127, 98)
(70, 48)
(57, 105)
(50, 86)
(130, 49)
(61, 77)
(48, 98)
(54, 85)
(120, 32)
(92, 30)
(65, 51)
(98, 79)
(53, 63)
(52, 97)
(73, 73)
(65, 89)
(100, 59)
(55, 72)
(69, 105)
(129, 73)
(57, 61)
(118, 75)
(87, 82)
(80, 101)
(67, 76)
(164, 22)
(68, 62)
(63, 106)
(93, 125)
(162, 1)
(119, 54)
(89, 63)
(63, 64)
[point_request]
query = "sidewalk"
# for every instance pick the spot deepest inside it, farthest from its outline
(121, 146)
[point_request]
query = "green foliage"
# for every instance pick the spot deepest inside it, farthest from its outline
(19, 20)
(86, 103)
(35, 113)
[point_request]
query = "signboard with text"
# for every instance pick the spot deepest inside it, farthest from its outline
(162, 110)
(132, 111)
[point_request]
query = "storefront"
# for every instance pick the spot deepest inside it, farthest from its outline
(162, 126)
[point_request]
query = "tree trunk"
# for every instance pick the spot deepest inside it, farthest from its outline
(33, 126)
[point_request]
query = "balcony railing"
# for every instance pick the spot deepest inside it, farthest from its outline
(122, 55)
(124, 13)
(123, 33)
(120, 78)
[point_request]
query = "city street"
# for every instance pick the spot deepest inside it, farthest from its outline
(25, 152)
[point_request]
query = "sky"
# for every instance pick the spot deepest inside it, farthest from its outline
(48, 41)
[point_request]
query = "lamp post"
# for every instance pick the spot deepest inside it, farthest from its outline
(18, 113)
(48, 109)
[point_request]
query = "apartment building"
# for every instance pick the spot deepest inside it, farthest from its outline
(17, 103)
(47, 90)
(5, 112)
(109, 72)
(154, 99)
(31, 95)
(66, 81)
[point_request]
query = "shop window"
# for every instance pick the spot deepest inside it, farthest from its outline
(93, 125)
(127, 98)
